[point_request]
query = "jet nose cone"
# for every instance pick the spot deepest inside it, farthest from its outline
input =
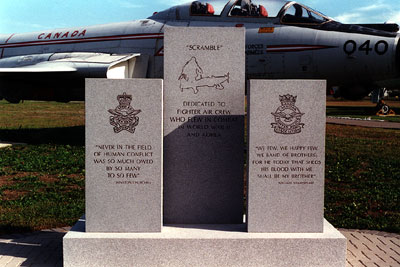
(398, 55)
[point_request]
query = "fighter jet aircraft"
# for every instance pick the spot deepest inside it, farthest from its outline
(284, 40)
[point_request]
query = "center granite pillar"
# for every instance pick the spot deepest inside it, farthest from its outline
(204, 125)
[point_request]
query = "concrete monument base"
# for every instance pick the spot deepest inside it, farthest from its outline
(204, 245)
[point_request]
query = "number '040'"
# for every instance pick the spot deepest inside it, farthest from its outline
(381, 47)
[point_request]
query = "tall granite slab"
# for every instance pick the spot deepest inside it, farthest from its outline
(204, 76)
(286, 156)
(123, 155)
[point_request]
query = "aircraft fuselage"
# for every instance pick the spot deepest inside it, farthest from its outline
(357, 61)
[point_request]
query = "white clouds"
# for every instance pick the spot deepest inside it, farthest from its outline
(127, 4)
(349, 18)
(373, 7)
(395, 17)
(21, 26)
(167, 4)
(178, 2)
(378, 12)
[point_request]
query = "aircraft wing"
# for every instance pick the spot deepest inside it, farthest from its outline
(96, 65)
(61, 76)
(36, 69)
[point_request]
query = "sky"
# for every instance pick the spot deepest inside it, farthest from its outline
(18, 16)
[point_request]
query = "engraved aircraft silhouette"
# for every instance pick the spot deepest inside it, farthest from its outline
(192, 77)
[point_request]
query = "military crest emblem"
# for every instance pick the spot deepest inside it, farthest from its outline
(124, 115)
(287, 116)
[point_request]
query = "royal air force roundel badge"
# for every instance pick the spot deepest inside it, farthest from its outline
(287, 116)
(124, 115)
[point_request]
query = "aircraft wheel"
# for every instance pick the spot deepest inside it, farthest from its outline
(385, 109)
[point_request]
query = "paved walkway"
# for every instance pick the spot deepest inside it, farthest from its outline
(44, 249)
(372, 248)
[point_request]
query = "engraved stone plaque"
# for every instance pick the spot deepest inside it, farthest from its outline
(203, 125)
(286, 156)
(123, 155)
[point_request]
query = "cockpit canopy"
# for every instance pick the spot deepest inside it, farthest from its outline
(297, 14)
(288, 12)
(244, 8)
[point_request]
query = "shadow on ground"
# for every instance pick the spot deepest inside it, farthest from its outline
(42, 248)
(61, 136)
(7, 228)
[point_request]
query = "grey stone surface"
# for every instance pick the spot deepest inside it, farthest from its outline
(204, 125)
(123, 155)
(286, 156)
(204, 245)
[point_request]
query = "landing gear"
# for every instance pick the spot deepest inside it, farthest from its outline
(12, 95)
(13, 100)
(384, 109)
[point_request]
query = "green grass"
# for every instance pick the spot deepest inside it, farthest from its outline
(363, 178)
(37, 122)
(42, 184)
(41, 115)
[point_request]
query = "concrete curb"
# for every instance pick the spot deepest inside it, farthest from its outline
(363, 123)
